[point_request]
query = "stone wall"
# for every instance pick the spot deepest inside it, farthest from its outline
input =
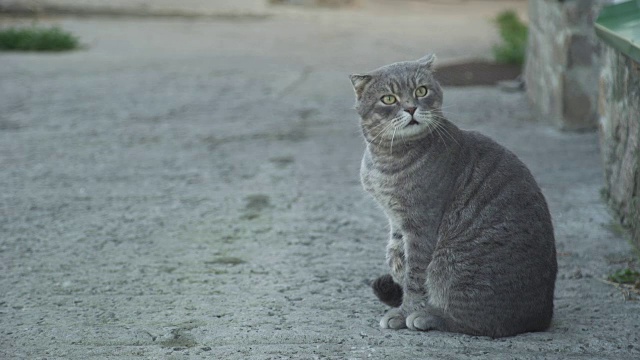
(562, 66)
(619, 108)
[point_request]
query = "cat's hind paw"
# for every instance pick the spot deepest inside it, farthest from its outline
(393, 319)
(423, 321)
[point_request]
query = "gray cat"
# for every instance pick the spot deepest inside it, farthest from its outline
(471, 247)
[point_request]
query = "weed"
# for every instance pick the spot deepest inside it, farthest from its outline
(616, 228)
(604, 194)
(627, 281)
(625, 276)
(36, 38)
(514, 38)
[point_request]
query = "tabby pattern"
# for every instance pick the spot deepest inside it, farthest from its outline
(471, 246)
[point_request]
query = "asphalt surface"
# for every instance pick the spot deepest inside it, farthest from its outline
(189, 189)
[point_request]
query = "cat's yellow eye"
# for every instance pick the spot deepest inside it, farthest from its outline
(389, 99)
(421, 91)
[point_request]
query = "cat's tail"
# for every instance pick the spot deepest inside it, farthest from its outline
(387, 290)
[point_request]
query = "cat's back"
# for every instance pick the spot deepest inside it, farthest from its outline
(497, 234)
(495, 195)
(492, 179)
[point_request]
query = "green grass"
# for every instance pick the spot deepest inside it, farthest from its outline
(514, 39)
(616, 228)
(625, 276)
(35, 38)
(627, 281)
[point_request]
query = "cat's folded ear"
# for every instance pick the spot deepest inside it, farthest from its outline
(428, 61)
(359, 82)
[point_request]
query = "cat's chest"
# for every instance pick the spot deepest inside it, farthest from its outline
(392, 192)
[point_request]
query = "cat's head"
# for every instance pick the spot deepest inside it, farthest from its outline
(401, 100)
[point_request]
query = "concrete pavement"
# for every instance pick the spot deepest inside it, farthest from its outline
(189, 189)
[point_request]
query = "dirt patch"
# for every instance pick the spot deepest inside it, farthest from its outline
(476, 72)
(255, 205)
(226, 260)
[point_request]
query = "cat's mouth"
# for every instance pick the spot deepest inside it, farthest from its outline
(413, 122)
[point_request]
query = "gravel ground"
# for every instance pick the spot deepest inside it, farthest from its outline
(189, 189)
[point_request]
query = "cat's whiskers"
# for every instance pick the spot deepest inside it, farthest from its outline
(377, 126)
(395, 128)
(433, 126)
(393, 122)
(440, 126)
(387, 127)
(370, 130)
(397, 125)
(444, 133)
(452, 115)
(449, 112)
(439, 117)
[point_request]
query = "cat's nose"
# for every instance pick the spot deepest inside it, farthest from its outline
(411, 110)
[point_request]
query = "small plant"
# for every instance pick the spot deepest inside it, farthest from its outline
(625, 276)
(36, 38)
(616, 228)
(627, 281)
(514, 38)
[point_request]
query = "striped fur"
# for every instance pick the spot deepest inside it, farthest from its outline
(472, 248)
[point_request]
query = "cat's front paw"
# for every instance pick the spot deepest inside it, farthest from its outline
(423, 321)
(393, 319)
